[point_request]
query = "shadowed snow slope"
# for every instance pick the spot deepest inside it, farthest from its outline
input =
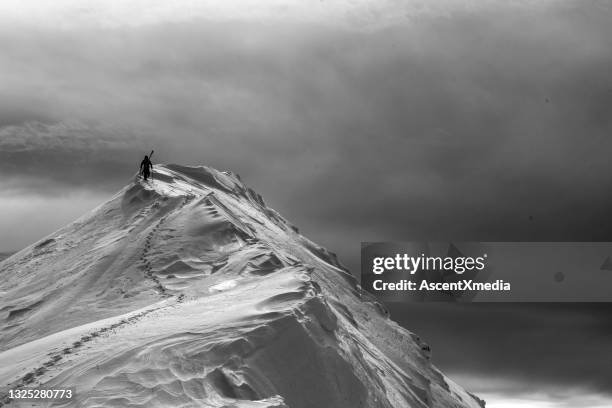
(188, 291)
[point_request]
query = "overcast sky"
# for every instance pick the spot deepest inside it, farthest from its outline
(532, 355)
(357, 120)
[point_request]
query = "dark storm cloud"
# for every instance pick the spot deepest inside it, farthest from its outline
(50, 158)
(15, 116)
(455, 127)
(538, 347)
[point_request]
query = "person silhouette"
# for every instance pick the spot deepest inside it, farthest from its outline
(145, 167)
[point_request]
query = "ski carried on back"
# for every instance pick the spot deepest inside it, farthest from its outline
(151, 155)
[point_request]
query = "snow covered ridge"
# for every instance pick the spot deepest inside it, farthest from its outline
(188, 291)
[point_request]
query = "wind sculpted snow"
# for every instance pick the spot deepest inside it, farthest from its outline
(188, 291)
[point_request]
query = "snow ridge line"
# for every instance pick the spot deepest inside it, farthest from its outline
(56, 357)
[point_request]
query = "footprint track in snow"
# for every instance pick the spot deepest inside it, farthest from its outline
(33, 375)
(149, 274)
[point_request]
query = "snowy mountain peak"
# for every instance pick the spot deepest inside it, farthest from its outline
(187, 290)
